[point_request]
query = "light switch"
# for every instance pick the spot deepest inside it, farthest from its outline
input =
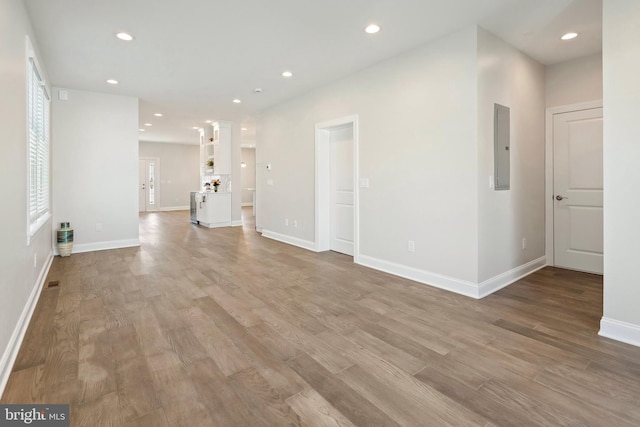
(364, 182)
(63, 95)
(269, 182)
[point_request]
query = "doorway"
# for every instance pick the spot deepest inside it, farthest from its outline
(575, 235)
(149, 174)
(336, 190)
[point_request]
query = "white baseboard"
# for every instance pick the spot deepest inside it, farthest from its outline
(458, 286)
(452, 284)
(236, 223)
(11, 352)
(175, 208)
(500, 281)
(103, 246)
(625, 332)
(304, 244)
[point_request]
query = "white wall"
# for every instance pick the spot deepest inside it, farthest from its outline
(575, 81)
(510, 78)
(248, 174)
(95, 168)
(20, 276)
(621, 67)
(418, 147)
(179, 171)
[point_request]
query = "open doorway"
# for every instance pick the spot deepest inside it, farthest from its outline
(336, 186)
(248, 178)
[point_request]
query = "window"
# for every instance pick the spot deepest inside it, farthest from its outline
(38, 144)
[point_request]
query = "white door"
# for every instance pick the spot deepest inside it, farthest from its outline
(148, 171)
(341, 190)
(577, 192)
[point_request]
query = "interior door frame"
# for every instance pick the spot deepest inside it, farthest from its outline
(156, 160)
(549, 164)
(323, 187)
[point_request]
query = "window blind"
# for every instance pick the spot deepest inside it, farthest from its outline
(38, 130)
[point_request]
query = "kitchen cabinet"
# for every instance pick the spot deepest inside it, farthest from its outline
(214, 209)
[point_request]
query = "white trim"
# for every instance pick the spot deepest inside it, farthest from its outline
(500, 281)
(322, 160)
(459, 286)
(174, 208)
(548, 195)
(447, 283)
(620, 331)
(103, 246)
(11, 352)
(304, 244)
(236, 223)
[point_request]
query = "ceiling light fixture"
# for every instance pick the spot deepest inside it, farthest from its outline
(141, 130)
(243, 165)
(236, 101)
(158, 114)
(287, 74)
(124, 36)
(208, 121)
(569, 36)
(112, 82)
(372, 29)
(243, 128)
(148, 124)
(195, 128)
(257, 90)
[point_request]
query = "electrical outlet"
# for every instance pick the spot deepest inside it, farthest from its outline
(524, 243)
(286, 222)
(411, 247)
(295, 223)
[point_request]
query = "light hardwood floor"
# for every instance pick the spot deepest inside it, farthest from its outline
(222, 327)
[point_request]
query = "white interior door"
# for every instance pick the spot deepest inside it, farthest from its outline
(148, 174)
(578, 184)
(341, 190)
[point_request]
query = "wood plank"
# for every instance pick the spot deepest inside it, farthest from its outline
(345, 399)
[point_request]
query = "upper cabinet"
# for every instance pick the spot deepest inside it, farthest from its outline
(221, 148)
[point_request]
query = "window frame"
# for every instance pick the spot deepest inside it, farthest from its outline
(38, 180)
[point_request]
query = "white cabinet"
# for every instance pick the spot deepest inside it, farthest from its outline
(214, 209)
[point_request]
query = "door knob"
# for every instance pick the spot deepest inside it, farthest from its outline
(558, 198)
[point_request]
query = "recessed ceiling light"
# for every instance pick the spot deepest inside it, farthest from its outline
(372, 28)
(141, 130)
(148, 124)
(158, 114)
(236, 101)
(287, 74)
(569, 36)
(195, 128)
(257, 90)
(124, 36)
(243, 128)
(112, 82)
(208, 121)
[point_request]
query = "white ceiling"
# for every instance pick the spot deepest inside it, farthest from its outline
(191, 58)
